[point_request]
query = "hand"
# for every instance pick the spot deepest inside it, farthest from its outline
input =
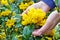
(51, 22)
(41, 5)
(36, 32)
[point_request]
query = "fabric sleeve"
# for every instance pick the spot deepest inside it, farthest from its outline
(50, 3)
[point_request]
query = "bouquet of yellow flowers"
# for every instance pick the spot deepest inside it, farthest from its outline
(34, 16)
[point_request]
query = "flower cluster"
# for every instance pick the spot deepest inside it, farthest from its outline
(52, 32)
(36, 16)
(10, 22)
(11, 1)
(5, 13)
(2, 36)
(5, 2)
(23, 6)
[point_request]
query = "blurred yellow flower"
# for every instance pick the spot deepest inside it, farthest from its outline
(10, 23)
(5, 13)
(24, 22)
(20, 37)
(4, 2)
(35, 16)
(52, 33)
(42, 39)
(23, 6)
(11, 1)
(3, 35)
(42, 22)
(31, 2)
(49, 38)
(16, 29)
(0, 14)
(0, 36)
(13, 13)
(56, 8)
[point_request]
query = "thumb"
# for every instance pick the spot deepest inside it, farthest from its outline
(25, 12)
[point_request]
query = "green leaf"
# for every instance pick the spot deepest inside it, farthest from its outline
(27, 31)
(6, 18)
(14, 38)
(18, 25)
(2, 8)
(56, 2)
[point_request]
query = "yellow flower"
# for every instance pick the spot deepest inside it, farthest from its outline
(42, 39)
(0, 14)
(23, 6)
(0, 36)
(56, 8)
(11, 1)
(16, 29)
(3, 35)
(26, 5)
(10, 23)
(13, 13)
(31, 2)
(5, 13)
(19, 37)
(52, 33)
(35, 16)
(4, 2)
(42, 22)
(49, 38)
(24, 22)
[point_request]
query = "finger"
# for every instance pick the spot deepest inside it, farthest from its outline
(47, 32)
(56, 20)
(51, 21)
(52, 26)
(36, 33)
(20, 14)
(27, 9)
(25, 12)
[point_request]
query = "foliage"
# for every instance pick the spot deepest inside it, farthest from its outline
(11, 27)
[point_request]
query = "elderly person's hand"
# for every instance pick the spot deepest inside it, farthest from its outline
(51, 22)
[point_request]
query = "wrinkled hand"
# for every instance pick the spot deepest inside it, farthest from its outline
(39, 33)
(51, 22)
(36, 32)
